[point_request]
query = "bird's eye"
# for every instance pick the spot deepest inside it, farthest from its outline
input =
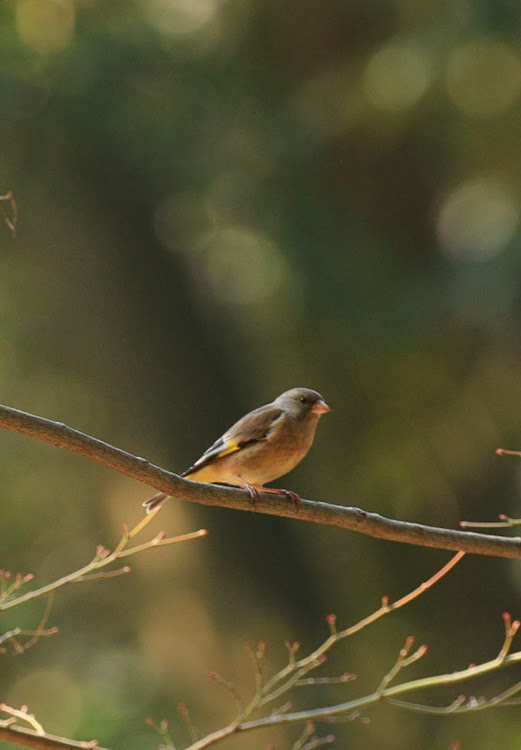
(304, 400)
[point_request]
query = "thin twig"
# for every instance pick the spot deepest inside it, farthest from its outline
(385, 609)
(23, 737)
(101, 559)
(34, 635)
(23, 714)
(505, 522)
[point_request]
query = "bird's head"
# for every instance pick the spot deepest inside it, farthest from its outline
(301, 402)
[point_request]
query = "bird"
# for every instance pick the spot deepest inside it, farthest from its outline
(260, 447)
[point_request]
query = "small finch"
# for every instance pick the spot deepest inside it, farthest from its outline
(262, 446)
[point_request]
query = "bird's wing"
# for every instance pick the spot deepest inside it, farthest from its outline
(258, 425)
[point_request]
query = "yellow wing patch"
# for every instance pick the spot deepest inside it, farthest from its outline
(209, 469)
(231, 447)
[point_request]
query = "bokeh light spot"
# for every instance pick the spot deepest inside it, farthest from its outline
(239, 266)
(180, 17)
(477, 220)
(483, 78)
(45, 26)
(396, 76)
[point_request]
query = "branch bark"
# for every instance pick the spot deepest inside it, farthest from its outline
(354, 519)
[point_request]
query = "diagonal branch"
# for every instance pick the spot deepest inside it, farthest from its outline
(372, 524)
(16, 735)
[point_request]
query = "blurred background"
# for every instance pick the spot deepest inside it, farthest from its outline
(219, 200)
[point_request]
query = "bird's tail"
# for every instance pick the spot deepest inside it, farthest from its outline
(155, 501)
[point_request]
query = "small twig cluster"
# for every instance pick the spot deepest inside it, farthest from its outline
(16, 638)
(21, 714)
(20, 639)
(10, 586)
(269, 690)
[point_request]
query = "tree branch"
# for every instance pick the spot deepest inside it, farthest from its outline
(342, 711)
(355, 519)
(267, 691)
(95, 568)
(15, 735)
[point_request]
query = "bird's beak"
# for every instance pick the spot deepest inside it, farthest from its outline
(320, 408)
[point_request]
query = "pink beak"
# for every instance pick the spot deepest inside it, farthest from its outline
(320, 408)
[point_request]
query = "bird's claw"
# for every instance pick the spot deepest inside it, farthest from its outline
(255, 493)
(295, 499)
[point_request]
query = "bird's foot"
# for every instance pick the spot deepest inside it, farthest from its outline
(295, 499)
(254, 492)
